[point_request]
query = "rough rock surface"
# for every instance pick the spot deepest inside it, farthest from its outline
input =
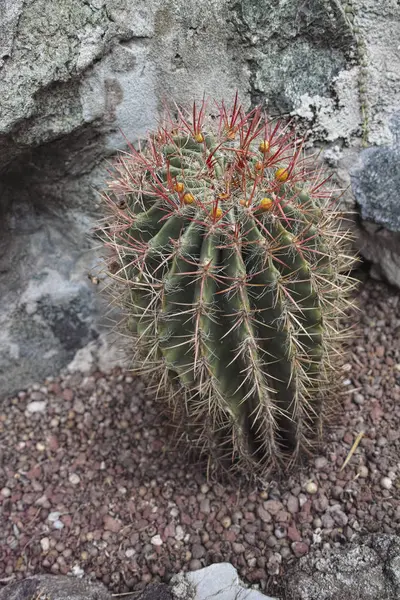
(376, 182)
(73, 75)
(367, 570)
(376, 185)
(54, 587)
(61, 587)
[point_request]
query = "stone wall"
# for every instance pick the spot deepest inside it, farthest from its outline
(74, 74)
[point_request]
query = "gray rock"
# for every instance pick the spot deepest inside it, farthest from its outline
(382, 247)
(59, 587)
(219, 580)
(297, 48)
(366, 570)
(54, 587)
(376, 182)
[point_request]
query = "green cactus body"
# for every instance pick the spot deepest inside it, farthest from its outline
(235, 267)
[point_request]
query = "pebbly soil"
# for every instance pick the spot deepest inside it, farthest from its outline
(90, 483)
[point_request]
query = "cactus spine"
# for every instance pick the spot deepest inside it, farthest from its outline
(236, 273)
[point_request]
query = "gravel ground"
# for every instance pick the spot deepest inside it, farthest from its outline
(89, 483)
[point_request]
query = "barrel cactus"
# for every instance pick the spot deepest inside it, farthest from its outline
(235, 268)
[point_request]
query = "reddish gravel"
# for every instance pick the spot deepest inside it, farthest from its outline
(88, 483)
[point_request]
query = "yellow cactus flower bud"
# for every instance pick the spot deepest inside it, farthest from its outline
(217, 213)
(281, 174)
(199, 137)
(188, 198)
(179, 187)
(264, 146)
(223, 196)
(266, 204)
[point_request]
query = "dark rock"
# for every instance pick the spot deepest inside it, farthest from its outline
(155, 591)
(366, 570)
(376, 183)
(56, 587)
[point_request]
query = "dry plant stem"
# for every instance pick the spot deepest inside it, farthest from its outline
(234, 266)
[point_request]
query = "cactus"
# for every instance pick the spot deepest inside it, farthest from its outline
(235, 266)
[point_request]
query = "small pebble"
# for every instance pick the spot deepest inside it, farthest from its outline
(362, 471)
(74, 479)
(195, 565)
(226, 522)
(311, 487)
(320, 462)
(38, 406)
(53, 516)
(386, 483)
(358, 399)
(156, 540)
(45, 544)
(299, 549)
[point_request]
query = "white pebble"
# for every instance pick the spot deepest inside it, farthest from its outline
(53, 516)
(58, 525)
(77, 571)
(363, 471)
(302, 500)
(45, 543)
(386, 483)
(74, 479)
(311, 487)
(6, 492)
(36, 406)
(226, 522)
(129, 552)
(40, 446)
(156, 540)
(174, 512)
(179, 533)
(204, 488)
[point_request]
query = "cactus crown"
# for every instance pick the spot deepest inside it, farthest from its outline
(237, 273)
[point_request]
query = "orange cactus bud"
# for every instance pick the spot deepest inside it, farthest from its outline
(266, 204)
(217, 213)
(179, 187)
(264, 146)
(199, 137)
(223, 196)
(258, 166)
(244, 202)
(231, 134)
(188, 198)
(281, 174)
